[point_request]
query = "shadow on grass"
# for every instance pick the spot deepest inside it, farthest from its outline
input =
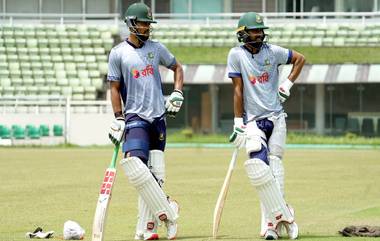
(318, 237)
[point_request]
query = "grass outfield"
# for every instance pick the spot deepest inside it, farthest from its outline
(314, 55)
(47, 186)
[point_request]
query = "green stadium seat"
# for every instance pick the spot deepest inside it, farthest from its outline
(45, 58)
(47, 65)
(12, 57)
(32, 43)
(368, 129)
(101, 58)
(51, 81)
(92, 67)
(49, 73)
(90, 93)
(44, 90)
(27, 81)
(43, 51)
(32, 90)
(4, 73)
(66, 91)
(16, 81)
(57, 130)
(37, 66)
(11, 50)
(78, 93)
(353, 126)
(18, 132)
(378, 127)
(22, 51)
(39, 81)
(55, 91)
(74, 82)
(97, 43)
(97, 83)
(5, 132)
(62, 81)
(33, 132)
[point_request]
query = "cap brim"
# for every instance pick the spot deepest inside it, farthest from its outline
(146, 20)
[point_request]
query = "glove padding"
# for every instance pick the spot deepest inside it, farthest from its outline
(174, 103)
(284, 90)
(117, 130)
(361, 231)
(238, 136)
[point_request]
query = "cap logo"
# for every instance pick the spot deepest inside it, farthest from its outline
(149, 14)
(259, 19)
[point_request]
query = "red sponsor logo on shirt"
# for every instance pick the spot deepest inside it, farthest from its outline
(260, 79)
(147, 71)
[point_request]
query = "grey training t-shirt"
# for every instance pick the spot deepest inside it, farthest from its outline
(260, 78)
(138, 71)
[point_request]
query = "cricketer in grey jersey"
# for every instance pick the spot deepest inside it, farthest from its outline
(259, 94)
(260, 78)
(138, 70)
(134, 77)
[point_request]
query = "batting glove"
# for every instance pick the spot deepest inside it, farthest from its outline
(284, 90)
(117, 130)
(238, 136)
(174, 103)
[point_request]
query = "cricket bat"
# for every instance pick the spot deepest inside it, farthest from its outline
(104, 199)
(223, 195)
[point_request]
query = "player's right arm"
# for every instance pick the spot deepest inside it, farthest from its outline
(238, 136)
(117, 127)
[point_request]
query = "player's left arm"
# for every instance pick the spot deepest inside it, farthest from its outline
(175, 100)
(178, 75)
(298, 61)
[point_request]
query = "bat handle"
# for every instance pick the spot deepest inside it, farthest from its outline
(114, 156)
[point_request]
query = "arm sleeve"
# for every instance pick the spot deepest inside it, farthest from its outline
(167, 59)
(233, 64)
(283, 55)
(114, 70)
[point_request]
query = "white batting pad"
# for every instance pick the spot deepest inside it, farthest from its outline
(277, 167)
(146, 219)
(262, 179)
(156, 164)
(141, 178)
(277, 140)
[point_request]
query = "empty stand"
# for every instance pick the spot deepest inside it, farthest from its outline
(299, 34)
(54, 60)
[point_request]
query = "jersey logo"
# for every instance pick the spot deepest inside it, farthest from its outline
(150, 55)
(135, 73)
(147, 71)
(259, 79)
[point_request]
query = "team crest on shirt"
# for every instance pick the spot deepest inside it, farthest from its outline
(161, 137)
(267, 62)
(150, 55)
(259, 79)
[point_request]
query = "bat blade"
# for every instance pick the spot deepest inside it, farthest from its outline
(104, 200)
(222, 196)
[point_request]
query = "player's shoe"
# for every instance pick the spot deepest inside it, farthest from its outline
(270, 234)
(292, 229)
(172, 226)
(148, 234)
